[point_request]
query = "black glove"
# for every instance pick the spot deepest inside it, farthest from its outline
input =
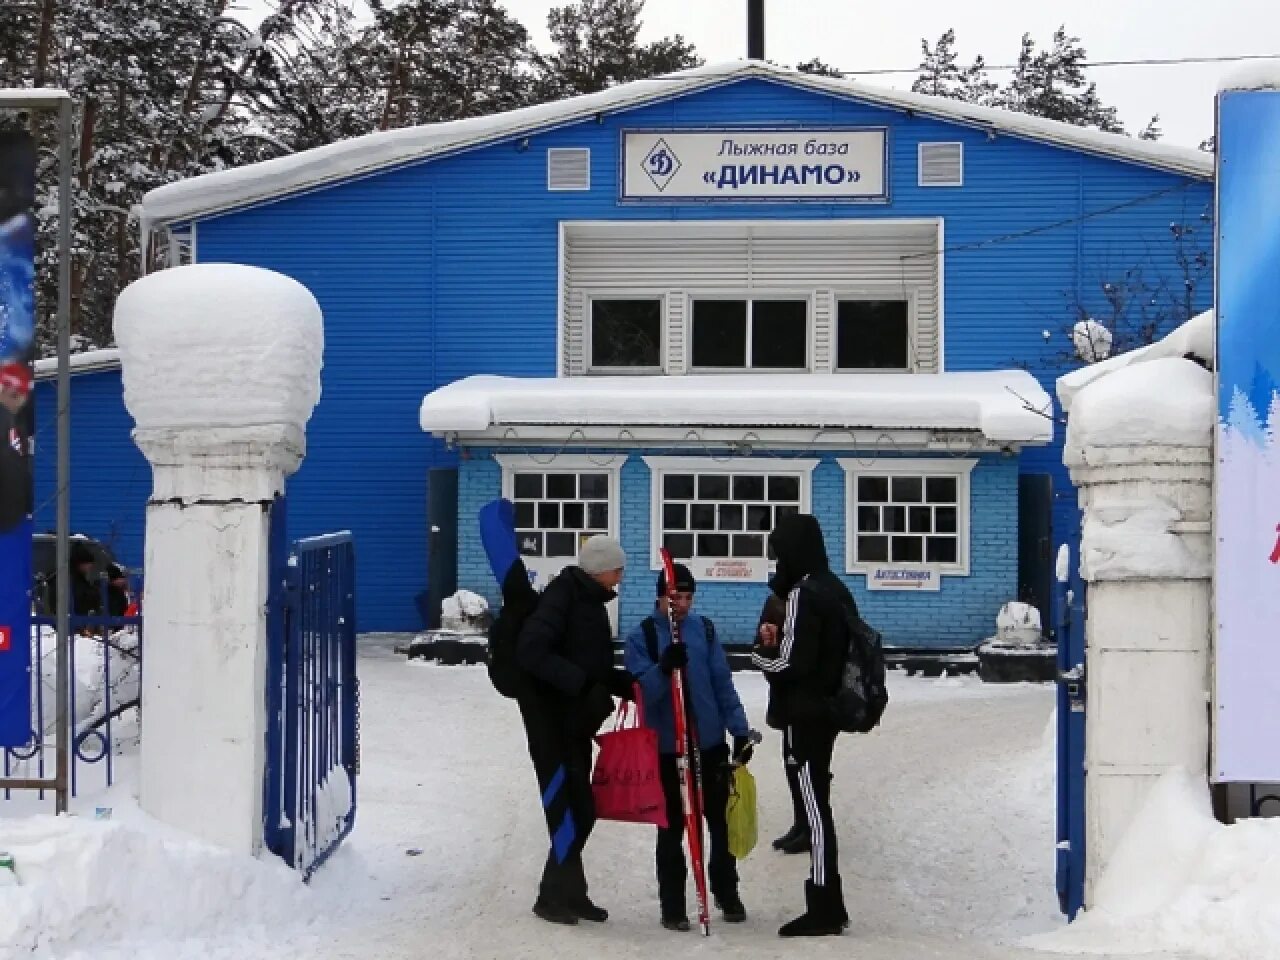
(622, 684)
(674, 657)
(597, 704)
(743, 748)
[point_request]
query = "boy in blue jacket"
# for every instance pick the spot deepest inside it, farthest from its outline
(716, 709)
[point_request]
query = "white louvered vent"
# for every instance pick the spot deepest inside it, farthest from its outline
(569, 168)
(941, 164)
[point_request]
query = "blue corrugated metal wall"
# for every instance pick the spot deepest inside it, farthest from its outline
(110, 478)
(446, 269)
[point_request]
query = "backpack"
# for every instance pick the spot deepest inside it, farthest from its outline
(650, 628)
(863, 695)
(519, 599)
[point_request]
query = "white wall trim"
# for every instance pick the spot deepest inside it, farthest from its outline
(560, 302)
(942, 295)
(960, 468)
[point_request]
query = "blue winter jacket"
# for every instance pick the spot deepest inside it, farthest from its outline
(716, 706)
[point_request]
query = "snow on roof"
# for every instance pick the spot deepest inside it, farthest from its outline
(1263, 75)
(1193, 338)
(1001, 404)
(32, 96)
(347, 159)
(87, 362)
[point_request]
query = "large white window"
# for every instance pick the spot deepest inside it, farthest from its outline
(717, 516)
(750, 334)
(908, 513)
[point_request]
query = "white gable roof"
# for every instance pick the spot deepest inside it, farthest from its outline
(360, 156)
(1005, 406)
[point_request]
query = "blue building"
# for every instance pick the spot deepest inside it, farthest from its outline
(712, 298)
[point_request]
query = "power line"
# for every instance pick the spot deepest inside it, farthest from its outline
(1092, 64)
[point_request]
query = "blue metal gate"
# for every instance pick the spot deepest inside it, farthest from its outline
(312, 698)
(1069, 619)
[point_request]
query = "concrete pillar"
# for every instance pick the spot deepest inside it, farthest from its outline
(221, 371)
(1146, 556)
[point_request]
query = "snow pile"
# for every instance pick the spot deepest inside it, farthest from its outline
(1007, 406)
(335, 803)
(1136, 541)
(91, 884)
(1181, 881)
(219, 345)
(1166, 401)
(1262, 75)
(1092, 341)
(464, 603)
(1018, 623)
(1192, 339)
(83, 362)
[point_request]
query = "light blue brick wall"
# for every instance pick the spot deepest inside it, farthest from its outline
(961, 614)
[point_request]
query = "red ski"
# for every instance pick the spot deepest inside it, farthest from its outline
(688, 762)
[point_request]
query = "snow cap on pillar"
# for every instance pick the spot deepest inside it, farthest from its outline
(219, 345)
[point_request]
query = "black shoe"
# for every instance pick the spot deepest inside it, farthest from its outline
(584, 909)
(790, 837)
(554, 913)
(730, 904)
(678, 924)
(800, 844)
(822, 918)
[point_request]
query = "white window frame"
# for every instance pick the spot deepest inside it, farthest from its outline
(660, 466)
(920, 148)
(868, 295)
(809, 297)
(589, 329)
(513, 463)
(578, 188)
(960, 468)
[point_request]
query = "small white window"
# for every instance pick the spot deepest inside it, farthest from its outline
(908, 513)
(750, 334)
(941, 165)
(717, 517)
(569, 168)
(558, 508)
(626, 334)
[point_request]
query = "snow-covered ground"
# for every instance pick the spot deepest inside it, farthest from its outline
(945, 815)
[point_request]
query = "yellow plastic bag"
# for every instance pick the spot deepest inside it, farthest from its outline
(741, 812)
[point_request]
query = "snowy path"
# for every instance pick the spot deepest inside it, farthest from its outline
(945, 816)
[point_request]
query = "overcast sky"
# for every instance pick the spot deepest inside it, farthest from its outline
(855, 35)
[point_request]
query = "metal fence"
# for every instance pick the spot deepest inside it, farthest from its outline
(313, 702)
(1070, 605)
(104, 674)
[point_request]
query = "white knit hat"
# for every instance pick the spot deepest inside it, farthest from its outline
(601, 554)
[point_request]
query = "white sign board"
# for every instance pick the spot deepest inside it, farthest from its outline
(743, 570)
(904, 578)
(834, 165)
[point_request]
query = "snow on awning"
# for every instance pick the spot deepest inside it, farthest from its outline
(1006, 407)
(90, 361)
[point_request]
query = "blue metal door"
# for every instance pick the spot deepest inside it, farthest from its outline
(1069, 620)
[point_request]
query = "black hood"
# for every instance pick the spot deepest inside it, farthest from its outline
(797, 545)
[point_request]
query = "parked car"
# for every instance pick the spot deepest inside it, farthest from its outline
(44, 567)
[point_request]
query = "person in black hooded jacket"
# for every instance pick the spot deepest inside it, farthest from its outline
(803, 663)
(565, 648)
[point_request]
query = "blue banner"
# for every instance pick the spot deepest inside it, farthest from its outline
(17, 347)
(1247, 481)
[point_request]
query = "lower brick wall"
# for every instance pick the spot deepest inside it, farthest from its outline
(961, 614)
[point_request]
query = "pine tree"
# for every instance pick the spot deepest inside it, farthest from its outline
(942, 76)
(597, 46)
(1052, 84)
(1152, 130)
(818, 68)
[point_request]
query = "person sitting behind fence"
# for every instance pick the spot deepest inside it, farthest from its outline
(86, 598)
(117, 590)
(716, 709)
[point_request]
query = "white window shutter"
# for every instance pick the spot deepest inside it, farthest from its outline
(569, 168)
(941, 165)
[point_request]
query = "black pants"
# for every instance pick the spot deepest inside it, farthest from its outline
(722, 869)
(792, 771)
(809, 750)
(562, 760)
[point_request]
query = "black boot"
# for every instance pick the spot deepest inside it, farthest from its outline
(554, 912)
(800, 844)
(822, 916)
(730, 904)
(584, 909)
(677, 922)
(791, 836)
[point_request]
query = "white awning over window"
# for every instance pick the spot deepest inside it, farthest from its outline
(1004, 407)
